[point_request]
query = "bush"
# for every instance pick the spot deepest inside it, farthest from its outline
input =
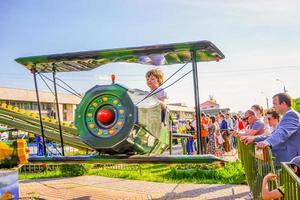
(74, 169)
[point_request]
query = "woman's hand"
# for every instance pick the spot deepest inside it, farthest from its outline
(270, 177)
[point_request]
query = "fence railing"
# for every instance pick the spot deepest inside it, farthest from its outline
(35, 168)
(257, 164)
(290, 182)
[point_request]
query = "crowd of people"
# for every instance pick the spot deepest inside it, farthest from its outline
(215, 133)
(284, 132)
(278, 127)
(283, 138)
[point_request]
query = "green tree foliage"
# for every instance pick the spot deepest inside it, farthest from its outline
(296, 104)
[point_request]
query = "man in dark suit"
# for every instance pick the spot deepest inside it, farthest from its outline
(285, 139)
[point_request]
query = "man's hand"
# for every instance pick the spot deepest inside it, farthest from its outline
(262, 144)
(247, 139)
(234, 133)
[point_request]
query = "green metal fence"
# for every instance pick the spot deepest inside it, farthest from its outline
(256, 164)
(248, 161)
(290, 182)
(35, 168)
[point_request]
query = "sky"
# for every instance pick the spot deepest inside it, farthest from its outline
(260, 41)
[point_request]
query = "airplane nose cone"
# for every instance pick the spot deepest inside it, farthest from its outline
(106, 116)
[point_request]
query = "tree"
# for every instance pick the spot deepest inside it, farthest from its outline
(296, 104)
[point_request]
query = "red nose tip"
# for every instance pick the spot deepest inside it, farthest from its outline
(106, 116)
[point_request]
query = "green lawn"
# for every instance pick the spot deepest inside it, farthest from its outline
(231, 173)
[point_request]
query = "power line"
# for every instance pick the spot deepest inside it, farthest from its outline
(123, 77)
(241, 69)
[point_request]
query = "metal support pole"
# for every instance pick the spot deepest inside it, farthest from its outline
(197, 102)
(39, 108)
(170, 136)
(267, 99)
(57, 110)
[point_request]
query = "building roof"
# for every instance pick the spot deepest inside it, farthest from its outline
(27, 95)
(181, 108)
(208, 102)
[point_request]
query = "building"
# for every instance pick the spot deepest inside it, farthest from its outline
(212, 108)
(181, 111)
(26, 99)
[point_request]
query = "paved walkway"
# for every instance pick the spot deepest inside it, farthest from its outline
(97, 187)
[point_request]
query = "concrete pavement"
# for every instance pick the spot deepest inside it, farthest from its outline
(97, 187)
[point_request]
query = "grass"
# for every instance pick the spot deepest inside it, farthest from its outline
(147, 172)
(231, 173)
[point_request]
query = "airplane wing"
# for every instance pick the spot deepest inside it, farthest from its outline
(7, 129)
(153, 55)
(181, 135)
(168, 159)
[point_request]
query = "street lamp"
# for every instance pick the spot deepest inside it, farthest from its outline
(284, 90)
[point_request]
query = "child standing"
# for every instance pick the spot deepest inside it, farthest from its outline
(155, 78)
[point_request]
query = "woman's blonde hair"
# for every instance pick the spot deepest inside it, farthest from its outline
(157, 73)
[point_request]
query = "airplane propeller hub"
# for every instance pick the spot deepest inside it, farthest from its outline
(106, 116)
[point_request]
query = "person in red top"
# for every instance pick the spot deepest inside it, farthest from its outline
(204, 132)
(240, 123)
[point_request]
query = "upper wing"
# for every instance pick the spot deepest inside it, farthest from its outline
(153, 55)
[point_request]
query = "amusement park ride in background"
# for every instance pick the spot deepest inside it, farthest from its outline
(123, 125)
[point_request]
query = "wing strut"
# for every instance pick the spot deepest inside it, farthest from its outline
(57, 109)
(33, 71)
(197, 103)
